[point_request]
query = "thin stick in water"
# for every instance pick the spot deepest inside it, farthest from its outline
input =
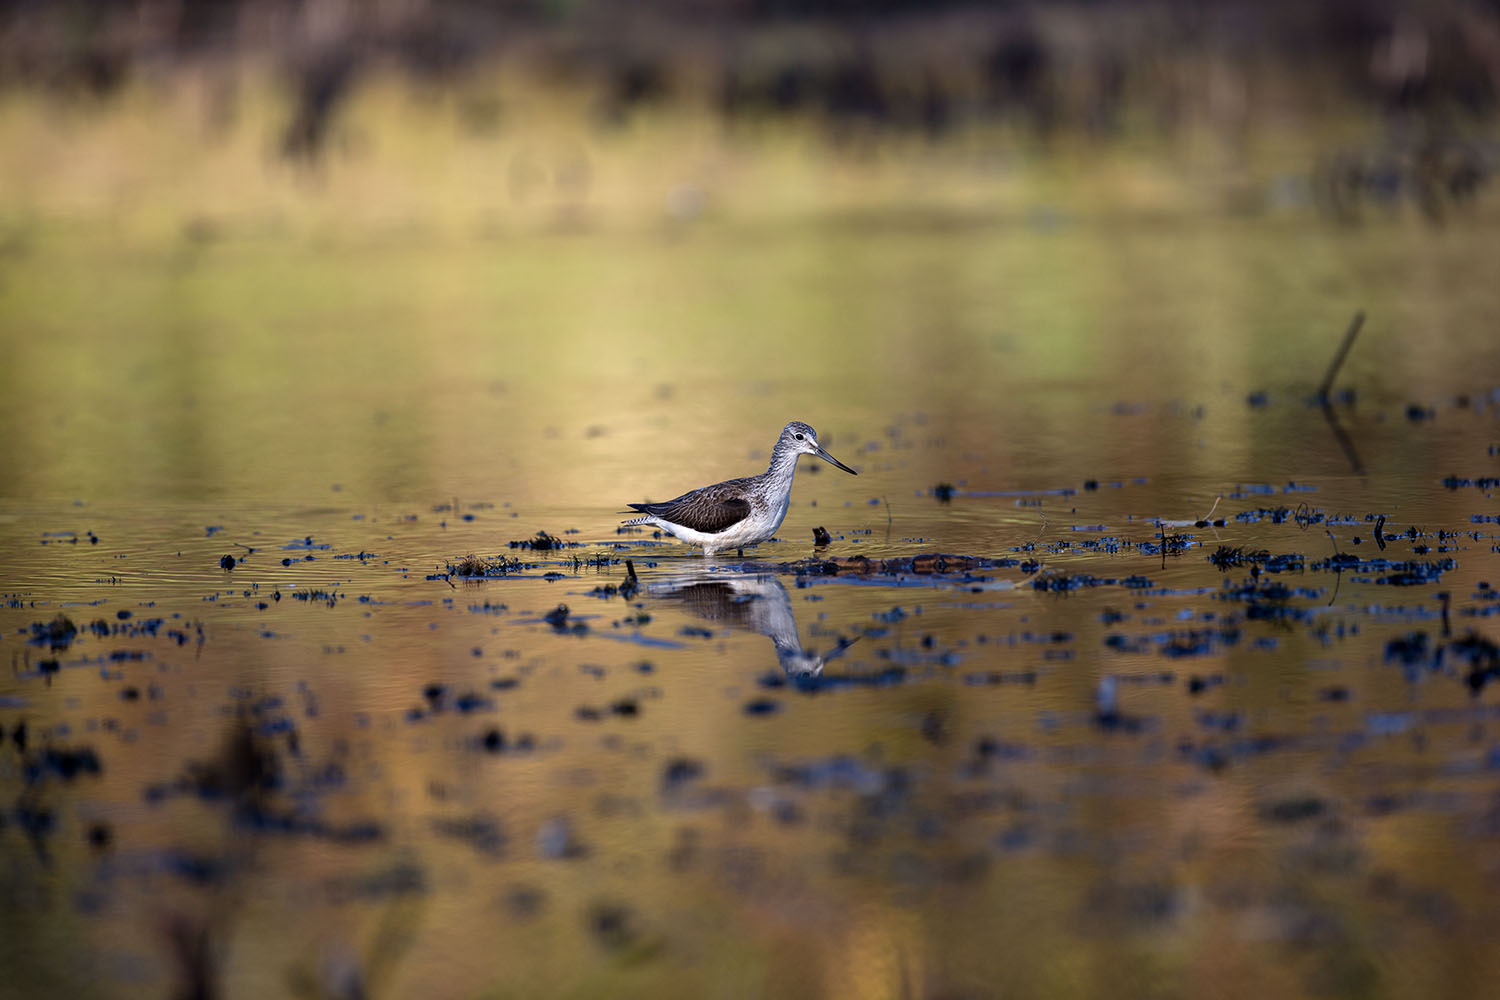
(1343, 352)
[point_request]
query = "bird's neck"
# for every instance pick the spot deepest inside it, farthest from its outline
(783, 462)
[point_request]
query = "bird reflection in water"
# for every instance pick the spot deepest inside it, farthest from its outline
(757, 603)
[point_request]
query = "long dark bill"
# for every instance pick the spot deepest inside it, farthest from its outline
(829, 458)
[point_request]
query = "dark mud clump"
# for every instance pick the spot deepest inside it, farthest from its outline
(481, 831)
(613, 926)
(469, 565)
(542, 542)
(473, 566)
(680, 773)
(57, 634)
(495, 741)
(63, 763)
(926, 564)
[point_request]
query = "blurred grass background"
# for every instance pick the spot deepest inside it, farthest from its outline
(400, 118)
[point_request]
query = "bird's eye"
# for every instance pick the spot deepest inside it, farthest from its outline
(799, 437)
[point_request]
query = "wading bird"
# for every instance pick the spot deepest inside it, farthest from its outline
(738, 512)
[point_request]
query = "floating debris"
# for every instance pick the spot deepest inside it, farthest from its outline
(541, 542)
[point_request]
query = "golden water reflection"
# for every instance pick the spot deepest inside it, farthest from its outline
(410, 783)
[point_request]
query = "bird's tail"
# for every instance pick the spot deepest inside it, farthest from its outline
(645, 514)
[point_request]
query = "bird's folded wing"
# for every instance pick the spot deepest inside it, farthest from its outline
(700, 511)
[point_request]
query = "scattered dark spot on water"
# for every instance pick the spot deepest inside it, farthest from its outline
(525, 902)
(1132, 903)
(1482, 656)
(762, 706)
(61, 762)
(541, 542)
(227, 562)
(1197, 685)
(245, 768)
(1482, 482)
(400, 879)
(557, 840)
(471, 701)
(57, 633)
(927, 564)
(197, 869)
(680, 772)
(1001, 677)
(821, 536)
(100, 836)
(814, 683)
(481, 831)
(1113, 720)
(612, 925)
(1293, 810)
(934, 729)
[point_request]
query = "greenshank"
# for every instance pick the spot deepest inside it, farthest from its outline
(738, 512)
(754, 603)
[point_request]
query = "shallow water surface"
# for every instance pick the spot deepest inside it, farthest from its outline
(1128, 671)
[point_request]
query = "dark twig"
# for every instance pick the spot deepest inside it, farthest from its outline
(1342, 437)
(1343, 352)
(1338, 573)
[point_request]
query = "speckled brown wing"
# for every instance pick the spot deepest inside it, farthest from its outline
(709, 510)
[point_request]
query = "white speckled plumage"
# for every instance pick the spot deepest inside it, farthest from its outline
(738, 512)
